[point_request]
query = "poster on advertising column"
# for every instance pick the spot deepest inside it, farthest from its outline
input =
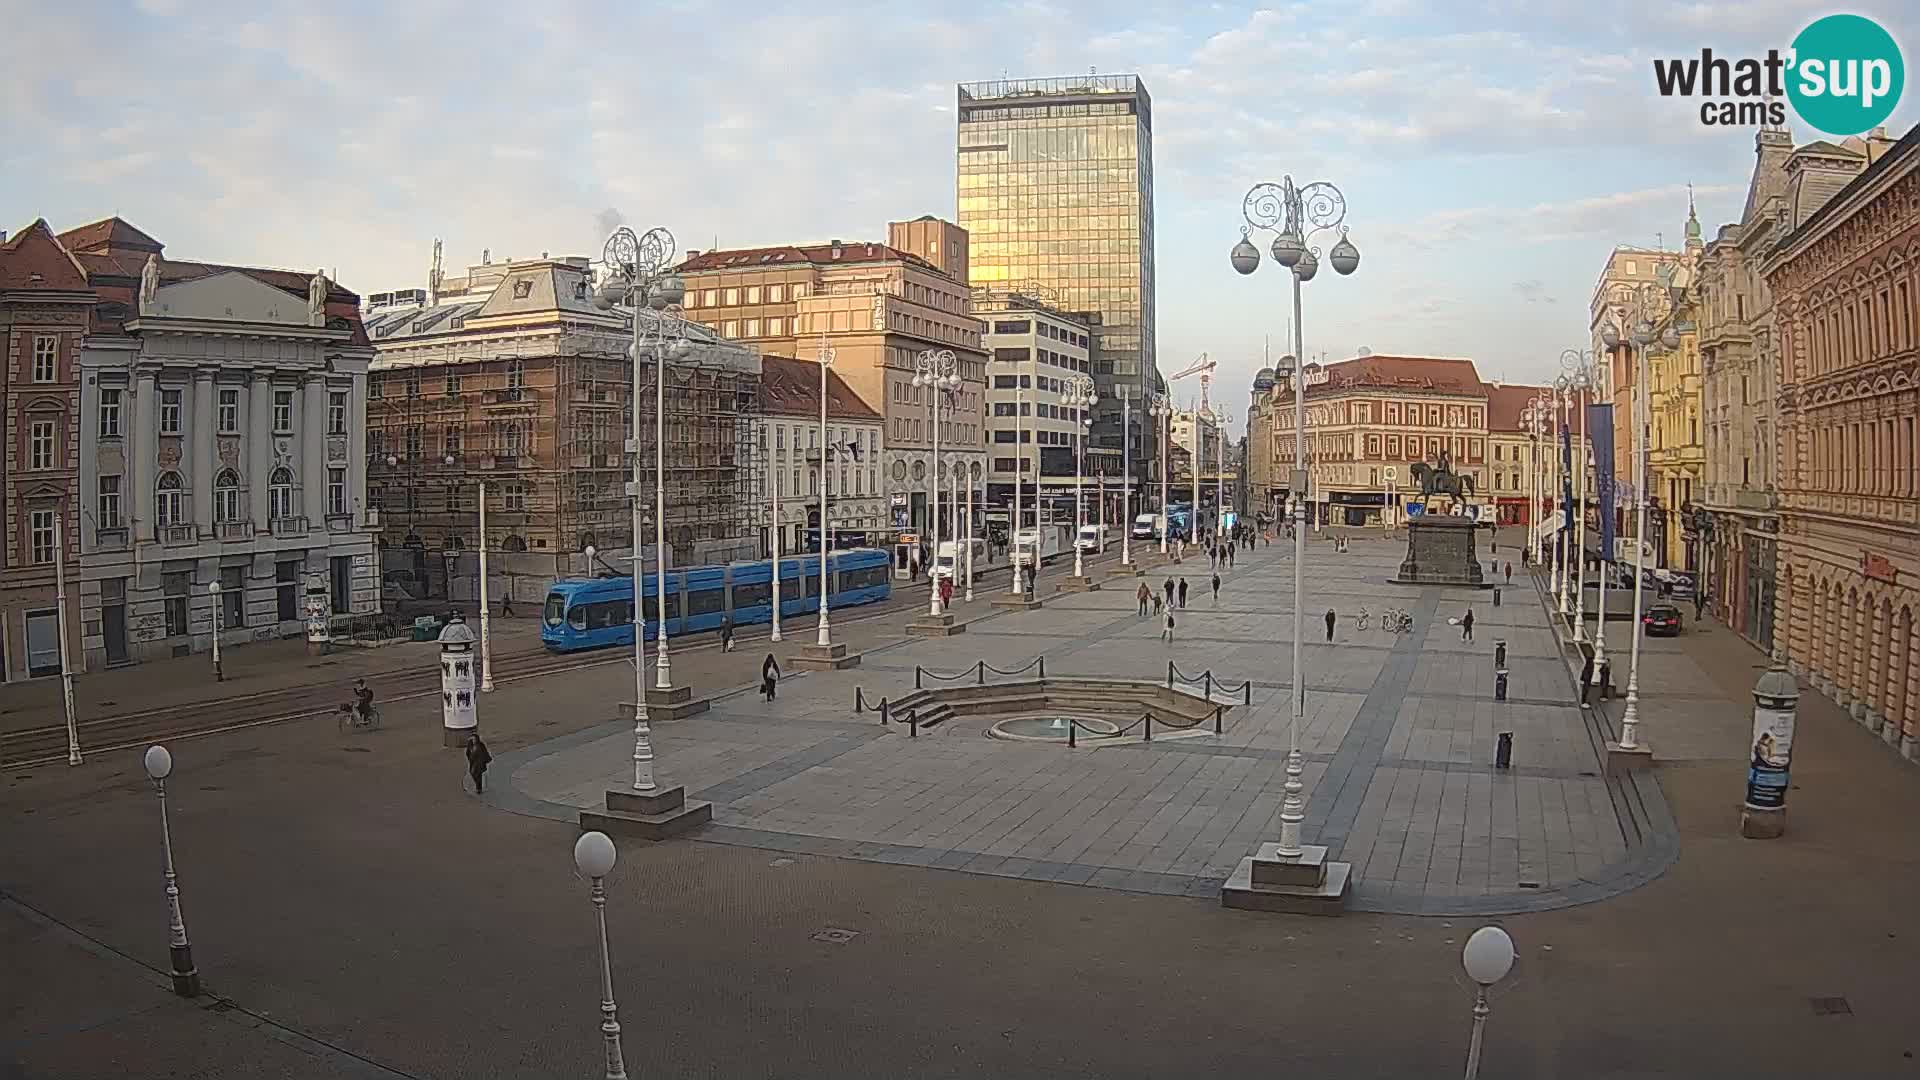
(1600, 431)
(1769, 757)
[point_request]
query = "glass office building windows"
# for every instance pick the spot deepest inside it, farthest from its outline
(1055, 187)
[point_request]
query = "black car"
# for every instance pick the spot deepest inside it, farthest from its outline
(1662, 620)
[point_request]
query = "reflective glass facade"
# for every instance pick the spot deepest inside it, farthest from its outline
(1055, 187)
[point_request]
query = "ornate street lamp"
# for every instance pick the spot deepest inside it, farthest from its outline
(1161, 409)
(1296, 214)
(638, 275)
(1579, 364)
(1080, 397)
(938, 371)
(824, 635)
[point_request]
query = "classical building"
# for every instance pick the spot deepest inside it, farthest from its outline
(46, 307)
(1676, 451)
(1261, 476)
(510, 376)
(875, 307)
(1736, 510)
(222, 414)
(1034, 349)
(1630, 272)
(1846, 287)
(1368, 420)
(1054, 180)
(1519, 458)
(790, 445)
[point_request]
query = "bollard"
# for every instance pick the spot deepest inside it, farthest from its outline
(1043, 667)
(916, 676)
(913, 725)
(1149, 727)
(1208, 677)
(980, 673)
(885, 716)
(1500, 654)
(1169, 674)
(1071, 728)
(1500, 685)
(1503, 753)
(1496, 596)
(1217, 711)
(1247, 690)
(859, 701)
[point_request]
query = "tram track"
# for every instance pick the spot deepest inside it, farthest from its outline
(47, 744)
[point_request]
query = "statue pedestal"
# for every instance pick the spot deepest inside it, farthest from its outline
(1440, 552)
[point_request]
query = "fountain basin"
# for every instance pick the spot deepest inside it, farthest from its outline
(1052, 729)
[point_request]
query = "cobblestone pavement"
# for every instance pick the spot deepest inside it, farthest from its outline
(1399, 738)
(355, 913)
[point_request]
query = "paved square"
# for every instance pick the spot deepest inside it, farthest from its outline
(1399, 736)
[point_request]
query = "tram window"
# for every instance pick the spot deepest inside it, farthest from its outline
(556, 610)
(752, 595)
(577, 618)
(706, 601)
(673, 607)
(811, 584)
(790, 588)
(864, 578)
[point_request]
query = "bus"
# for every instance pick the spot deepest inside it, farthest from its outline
(595, 613)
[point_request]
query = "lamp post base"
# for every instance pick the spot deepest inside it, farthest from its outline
(1126, 570)
(1078, 583)
(186, 978)
(654, 815)
(457, 737)
(833, 657)
(1022, 602)
(1621, 759)
(673, 703)
(1762, 824)
(1304, 884)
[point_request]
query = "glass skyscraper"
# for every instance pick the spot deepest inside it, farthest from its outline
(1055, 188)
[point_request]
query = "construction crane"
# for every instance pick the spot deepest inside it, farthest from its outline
(1202, 367)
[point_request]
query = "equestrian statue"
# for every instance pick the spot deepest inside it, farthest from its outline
(1440, 479)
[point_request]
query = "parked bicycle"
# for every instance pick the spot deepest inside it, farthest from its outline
(1364, 616)
(1396, 621)
(354, 717)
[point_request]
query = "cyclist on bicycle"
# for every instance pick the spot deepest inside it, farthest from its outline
(363, 700)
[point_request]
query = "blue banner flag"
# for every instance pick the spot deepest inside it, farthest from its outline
(1566, 472)
(1600, 430)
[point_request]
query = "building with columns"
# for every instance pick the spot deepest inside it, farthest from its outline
(45, 308)
(1846, 288)
(222, 410)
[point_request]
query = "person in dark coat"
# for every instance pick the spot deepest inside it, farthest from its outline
(769, 677)
(1331, 619)
(1216, 590)
(1509, 573)
(1466, 626)
(1142, 595)
(726, 635)
(478, 758)
(1166, 632)
(1169, 592)
(1586, 680)
(1183, 592)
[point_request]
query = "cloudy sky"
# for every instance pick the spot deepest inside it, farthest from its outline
(1491, 151)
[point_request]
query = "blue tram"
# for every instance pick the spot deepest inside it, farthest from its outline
(592, 613)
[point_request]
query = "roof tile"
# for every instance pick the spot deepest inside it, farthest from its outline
(790, 387)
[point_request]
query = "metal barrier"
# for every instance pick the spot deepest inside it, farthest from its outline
(1206, 679)
(978, 671)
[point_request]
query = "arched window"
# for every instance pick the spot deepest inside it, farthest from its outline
(226, 496)
(280, 494)
(168, 503)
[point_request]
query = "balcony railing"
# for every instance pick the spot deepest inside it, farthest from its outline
(287, 527)
(237, 530)
(341, 523)
(175, 535)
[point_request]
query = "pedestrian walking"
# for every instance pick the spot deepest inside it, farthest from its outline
(1510, 569)
(1466, 626)
(769, 677)
(1156, 604)
(506, 604)
(1586, 681)
(1216, 590)
(1331, 619)
(478, 758)
(1169, 591)
(726, 636)
(1166, 631)
(1142, 594)
(1028, 569)
(1230, 558)
(1183, 593)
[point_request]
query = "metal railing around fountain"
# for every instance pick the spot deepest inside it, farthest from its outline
(1206, 679)
(978, 671)
(1145, 723)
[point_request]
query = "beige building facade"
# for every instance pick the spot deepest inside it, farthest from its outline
(1846, 286)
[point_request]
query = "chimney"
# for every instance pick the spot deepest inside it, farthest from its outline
(835, 245)
(3, 236)
(694, 254)
(486, 256)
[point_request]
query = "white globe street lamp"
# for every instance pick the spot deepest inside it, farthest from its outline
(1079, 397)
(594, 856)
(1488, 956)
(213, 589)
(186, 979)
